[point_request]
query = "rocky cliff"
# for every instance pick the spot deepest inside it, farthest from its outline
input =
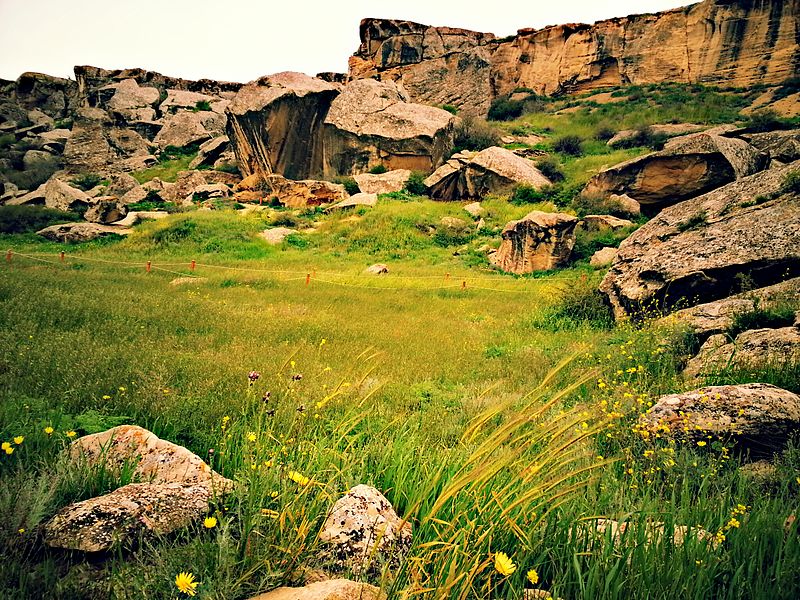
(719, 42)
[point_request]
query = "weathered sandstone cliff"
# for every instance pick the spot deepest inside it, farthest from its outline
(725, 42)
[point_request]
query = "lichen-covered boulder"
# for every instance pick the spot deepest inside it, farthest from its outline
(361, 526)
(757, 415)
(106, 210)
(332, 589)
(538, 242)
(470, 175)
(74, 233)
(382, 183)
(300, 194)
(59, 195)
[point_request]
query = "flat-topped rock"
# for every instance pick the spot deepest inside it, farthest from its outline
(538, 242)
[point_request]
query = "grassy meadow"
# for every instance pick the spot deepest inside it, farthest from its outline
(497, 413)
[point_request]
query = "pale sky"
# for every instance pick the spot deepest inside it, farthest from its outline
(239, 40)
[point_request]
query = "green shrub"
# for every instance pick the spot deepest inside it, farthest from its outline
(693, 222)
(175, 152)
(7, 139)
(27, 219)
(505, 109)
(350, 185)
(416, 184)
(175, 232)
(604, 133)
(791, 183)
(644, 137)
(780, 314)
(453, 110)
(581, 303)
(229, 168)
(473, 133)
(766, 120)
(202, 105)
(378, 170)
(598, 205)
(569, 144)
(550, 168)
(87, 181)
(587, 243)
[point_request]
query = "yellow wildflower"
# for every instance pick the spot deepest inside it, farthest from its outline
(186, 584)
(19, 439)
(49, 430)
(251, 437)
(106, 397)
(298, 478)
(734, 523)
(701, 443)
(503, 564)
(21, 530)
(5, 445)
(210, 522)
(533, 576)
(272, 514)
(9, 450)
(273, 494)
(71, 434)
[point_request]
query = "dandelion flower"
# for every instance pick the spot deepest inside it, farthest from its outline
(299, 478)
(210, 522)
(251, 437)
(106, 397)
(21, 530)
(533, 576)
(49, 430)
(503, 564)
(185, 583)
(71, 434)
(734, 523)
(701, 443)
(19, 439)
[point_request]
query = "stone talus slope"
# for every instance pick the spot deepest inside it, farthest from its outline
(730, 42)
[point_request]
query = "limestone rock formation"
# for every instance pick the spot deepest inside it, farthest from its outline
(470, 175)
(373, 124)
(698, 250)
(755, 349)
(274, 125)
(603, 257)
(538, 242)
(105, 210)
(668, 129)
(756, 414)
(210, 152)
(276, 235)
(332, 589)
(382, 183)
(377, 269)
(362, 525)
(59, 195)
(356, 200)
(714, 42)
(299, 194)
(132, 102)
(182, 130)
(597, 223)
(80, 232)
(687, 167)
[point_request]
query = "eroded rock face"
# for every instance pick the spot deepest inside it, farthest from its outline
(713, 42)
(59, 195)
(603, 257)
(361, 199)
(687, 167)
(373, 124)
(597, 223)
(538, 242)
(757, 415)
(362, 525)
(333, 589)
(275, 125)
(299, 194)
(692, 252)
(470, 175)
(106, 210)
(182, 130)
(754, 349)
(100, 523)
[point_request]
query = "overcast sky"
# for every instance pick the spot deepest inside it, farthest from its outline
(239, 40)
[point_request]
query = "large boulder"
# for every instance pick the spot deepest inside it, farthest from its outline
(59, 195)
(332, 589)
(210, 152)
(373, 123)
(106, 210)
(357, 200)
(757, 415)
(362, 527)
(88, 149)
(274, 125)
(470, 175)
(703, 249)
(687, 167)
(382, 183)
(757, 349)
(131, 102)
(299, 194)
(79, 232)
(182, 130)
(539, 241)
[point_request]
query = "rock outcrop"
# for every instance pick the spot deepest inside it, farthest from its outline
(382, 183)
(333, 589)
(372, 124)
(699, 250)
(687, 167)
(74, 233)
(539, 242)
(472, 175)
(274, 125)
(757, 415)
(714, 42)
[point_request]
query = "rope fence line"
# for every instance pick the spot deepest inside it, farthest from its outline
(462, 282)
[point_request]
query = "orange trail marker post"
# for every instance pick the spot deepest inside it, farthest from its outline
(308, 278)
(464, 285)
(8, 256)
(147, 268)
(61, 256)
(447, 276)
(192, 266)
